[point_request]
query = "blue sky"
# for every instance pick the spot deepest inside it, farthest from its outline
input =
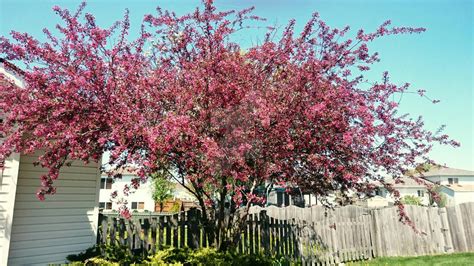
(439, 60)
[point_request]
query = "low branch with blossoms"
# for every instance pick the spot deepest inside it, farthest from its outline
(186, 100)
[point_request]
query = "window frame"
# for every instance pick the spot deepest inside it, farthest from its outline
(421, 193)
(453, 180)
(106, 183)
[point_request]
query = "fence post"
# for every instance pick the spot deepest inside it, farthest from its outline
(146, 236)
(182, 229)
(112, 230)
(121, 231)
(448, 241)
(376, 241)
(265, 238)
(193, 228)
(99, 229)
(154, 224)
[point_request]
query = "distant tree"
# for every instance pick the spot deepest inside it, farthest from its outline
(411, 200)
(162, 189)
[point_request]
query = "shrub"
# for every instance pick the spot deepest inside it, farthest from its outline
(208, 256)
(87, 254)
(411, 200)
(112, 255)
(99, 254)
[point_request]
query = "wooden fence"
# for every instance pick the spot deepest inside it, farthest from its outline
(311, 235)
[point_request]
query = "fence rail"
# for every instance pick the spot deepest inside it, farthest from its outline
(312, 235)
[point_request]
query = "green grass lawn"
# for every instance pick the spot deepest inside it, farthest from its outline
(438, 260)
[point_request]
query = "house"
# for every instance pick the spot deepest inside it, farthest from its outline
(183, 194)
(139, 199)
(34, 232)
(409, 187)
(446, 176)
(182, 200)
(281, 196)
(456, 184)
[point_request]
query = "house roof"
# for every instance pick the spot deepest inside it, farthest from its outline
(408, 182)
(10, 74)
(447, 171)
(461, 188)
(11, 67)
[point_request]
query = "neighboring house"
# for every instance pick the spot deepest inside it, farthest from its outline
(449, 176)
(181, 193)
(457, 194)
(181, 196)
(281, 197)
(456, 184)
(138, 200)
(34, 232)
(409, 187)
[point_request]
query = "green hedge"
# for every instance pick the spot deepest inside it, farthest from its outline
(118, 255)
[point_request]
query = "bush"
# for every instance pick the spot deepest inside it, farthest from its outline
(117, 255)
(105, 255)
(83, 256)
(208, 256)
(411, 200)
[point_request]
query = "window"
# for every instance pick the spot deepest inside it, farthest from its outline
(421, 193)
(279, 198)
(452, 180)
(106, 183)
(287, 200)
(105, 205)
(138, 205)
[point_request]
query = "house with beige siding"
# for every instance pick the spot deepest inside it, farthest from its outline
(34, 232)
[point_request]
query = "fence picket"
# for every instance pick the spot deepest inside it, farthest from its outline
(160, 231)
(146, 234)
(153, 228)
(182, 229)
(174, 227)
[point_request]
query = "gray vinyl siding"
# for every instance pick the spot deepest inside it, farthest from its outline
(47, 231)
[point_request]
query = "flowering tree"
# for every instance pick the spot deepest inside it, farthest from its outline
(185, 100)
